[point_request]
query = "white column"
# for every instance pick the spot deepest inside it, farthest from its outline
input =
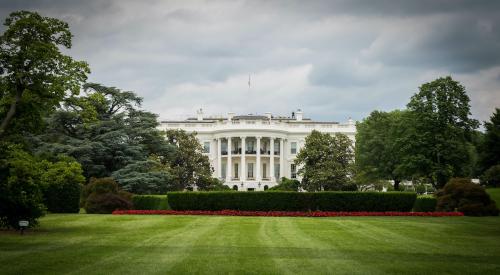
(229, 175)
(271, 159)
(219, 158)
(243, 174)
(259, 175)
(282, 157)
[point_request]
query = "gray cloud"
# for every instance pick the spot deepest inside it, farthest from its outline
(333, 59)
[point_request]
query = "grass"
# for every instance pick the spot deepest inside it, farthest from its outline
(494, 194)
(106, 244)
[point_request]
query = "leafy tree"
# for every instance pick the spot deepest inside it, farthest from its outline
(437, 145)
(189, 167)
(286, 184)
(34, 75)
(378, 147)
(325, 161)
(490, 147)
(20, 190)
(491, 177)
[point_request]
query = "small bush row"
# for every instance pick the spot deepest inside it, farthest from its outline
(293, 201)
(150, 202)
(283, 213)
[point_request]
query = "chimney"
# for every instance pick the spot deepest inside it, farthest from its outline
(299, 115)
(199, 114)
(230, 116)
(268, 115)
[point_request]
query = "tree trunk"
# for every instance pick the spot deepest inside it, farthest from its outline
(396, 184)
(10, 114)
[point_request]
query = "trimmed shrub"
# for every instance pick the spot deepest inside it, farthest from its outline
(150, 202)
(425, 204)
(463, 195)
(292, 201)
(103, 196)
(106, 203)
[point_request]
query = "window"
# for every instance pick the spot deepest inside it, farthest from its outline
(250, 189)
(206, 147)
(223, 171)
(236, 170)
(250, 146)
(293, 148)
(293, 171)
(277, 170)
(250, 170)
(235, 187)
(264, 170)
(276, 147)
(266, 187)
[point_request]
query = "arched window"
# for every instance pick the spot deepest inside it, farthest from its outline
(266, 187)
(235, 187)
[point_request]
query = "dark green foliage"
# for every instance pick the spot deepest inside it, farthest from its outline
(325, 161)
(103, 196)
(34, 74)
(62, 183)
(491, 177)
(143, 177)
(150, 202)
(490, 147)
(378, 148)
(438, 143)
(349, 187)
(20, 189)
(425, 204)
(462, 195)
(286, 184)
(292, 201)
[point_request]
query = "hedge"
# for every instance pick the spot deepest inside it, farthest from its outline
(293, 201)
(150, 202)
(425, 204)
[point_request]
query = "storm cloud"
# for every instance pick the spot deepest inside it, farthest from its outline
(332, 59)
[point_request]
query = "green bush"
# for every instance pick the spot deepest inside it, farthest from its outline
(286, 184)
(150, 202)
(491, 177)
(62, 184)
(463, 195)
(103, 196)
(292, 201)
(425, 204)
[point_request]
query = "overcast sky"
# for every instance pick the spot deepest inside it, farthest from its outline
(332, 59)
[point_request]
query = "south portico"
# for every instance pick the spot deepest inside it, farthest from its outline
(250, 161)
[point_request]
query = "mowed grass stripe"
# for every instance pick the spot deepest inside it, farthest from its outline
(105, 244)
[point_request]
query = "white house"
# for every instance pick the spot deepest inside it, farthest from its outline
(251, 152)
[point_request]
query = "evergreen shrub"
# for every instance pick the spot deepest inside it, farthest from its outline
(293, 201)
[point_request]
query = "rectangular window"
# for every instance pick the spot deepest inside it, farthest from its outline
(250, 170)
(223, 171)
(206, 147)
(250, 146)
(293, 148)
(293, 171)
(236, 170)
(264, 170)
(277, 171)
(276, 147)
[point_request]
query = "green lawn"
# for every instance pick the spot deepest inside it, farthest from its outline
(105, 244)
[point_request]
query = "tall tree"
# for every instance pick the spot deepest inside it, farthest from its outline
(378, 147)
(490, 147)
(34, 75)
(325, 161)
(189, 167)
(105, 130)
(437, 146)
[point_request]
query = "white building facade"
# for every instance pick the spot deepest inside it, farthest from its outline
(252, 152)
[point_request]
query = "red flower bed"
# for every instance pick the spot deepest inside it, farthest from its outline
(283, 213)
